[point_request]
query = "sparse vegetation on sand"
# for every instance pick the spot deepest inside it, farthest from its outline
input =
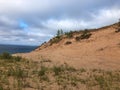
(69, 34)
(57, 38)
(44, 75)
(68, 42)
(85, 35)
(8, 57)
(118, 27)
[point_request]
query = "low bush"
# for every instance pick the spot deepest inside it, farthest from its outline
(5, 55)
(17, 58)
(58, 69)
(77, 38)
(85, 35)
(55, 40)
(118, 30)
(69, 34)
(68, 42)
(42, 71)
(9, 57)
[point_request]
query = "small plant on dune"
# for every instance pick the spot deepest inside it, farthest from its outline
(17, 58)
(5, 55)
(69, 34)
(19, 73)
(77, 38)
(101, 81)
(8, 57)
(58, 69)
(82, 70)
(118, 27)
(57, 38)
(85, 35)
(68, 42)
(42, 71)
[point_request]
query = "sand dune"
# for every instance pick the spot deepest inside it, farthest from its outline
(101, 50)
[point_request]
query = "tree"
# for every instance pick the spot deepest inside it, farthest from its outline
(59, 33)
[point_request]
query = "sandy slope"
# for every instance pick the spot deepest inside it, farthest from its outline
(101, 50)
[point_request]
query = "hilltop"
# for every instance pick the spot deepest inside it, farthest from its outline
(94, 48)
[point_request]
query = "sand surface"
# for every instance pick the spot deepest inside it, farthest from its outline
(101, 50)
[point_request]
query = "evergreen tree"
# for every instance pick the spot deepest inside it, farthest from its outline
(58, 33)
(61, 32)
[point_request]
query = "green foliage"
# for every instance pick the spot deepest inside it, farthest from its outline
(59, 33)
(17, 73)
(42, 71)
(69, 34)
(8, 57)
(58, 37)
(55, 40)
(1, 88)
(100, 80)
(5, 55)
(85, 35)
(17, 58)
(58, 69)
(82, 70)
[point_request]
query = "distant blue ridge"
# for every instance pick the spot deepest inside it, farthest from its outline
(12, 49)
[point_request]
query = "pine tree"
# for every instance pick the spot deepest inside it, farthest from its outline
(58, 33)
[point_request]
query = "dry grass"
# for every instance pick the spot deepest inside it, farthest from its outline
(44, 75)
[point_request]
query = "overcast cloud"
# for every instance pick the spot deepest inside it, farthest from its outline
(31, 22)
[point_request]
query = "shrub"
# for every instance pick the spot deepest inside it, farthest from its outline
(100, 80)
(9, 57)
(55, 40)
(5, 55)
(77, 38)
(69, 34)
(17, 58)
(58, 69)
(118, 30)
(118, 27)
(18, 73)
(85, 35)
(42, 71)
(68, 42)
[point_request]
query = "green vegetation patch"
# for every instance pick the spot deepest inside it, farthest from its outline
(85, 35)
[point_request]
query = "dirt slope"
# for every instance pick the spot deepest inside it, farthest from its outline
(101, 50)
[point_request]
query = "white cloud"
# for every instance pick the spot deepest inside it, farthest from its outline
(101, 18)
(105, 17)
(45, 17)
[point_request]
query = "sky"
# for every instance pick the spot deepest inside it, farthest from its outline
(32, 22)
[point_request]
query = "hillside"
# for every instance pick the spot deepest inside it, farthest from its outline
(79, 60)
(100, 50)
